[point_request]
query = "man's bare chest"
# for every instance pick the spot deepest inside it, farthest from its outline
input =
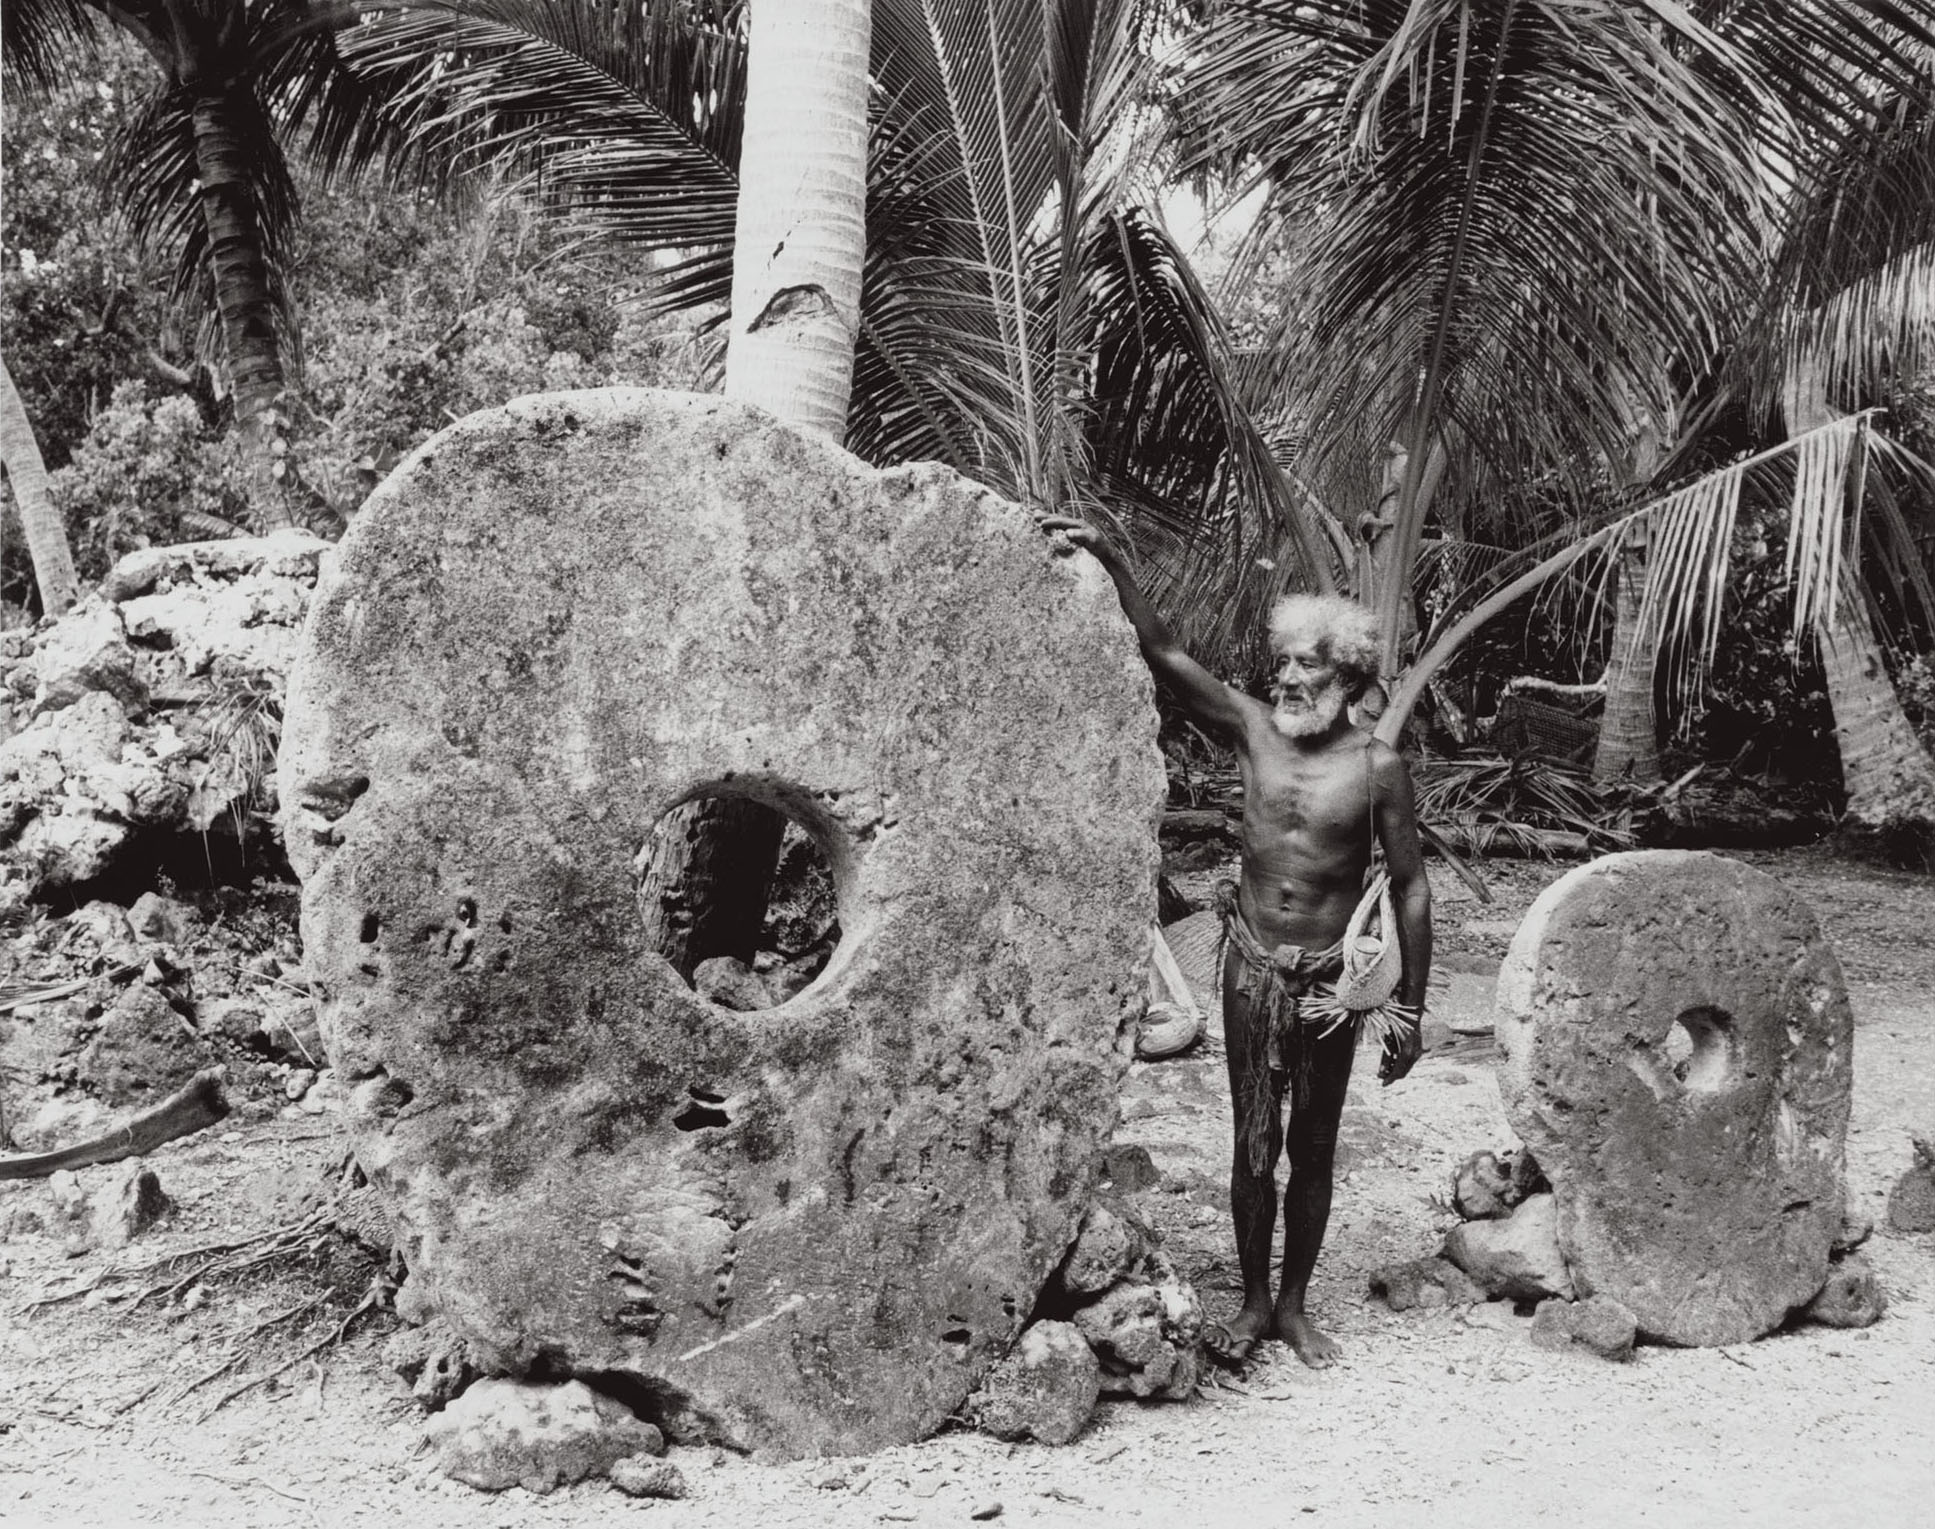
(1326, 799)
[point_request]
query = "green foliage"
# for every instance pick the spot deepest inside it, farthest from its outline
(1765, 707)
(1915, 683)
(240, 728)
(476, 305)
(79, 307)
(416, 314)
(149, 471)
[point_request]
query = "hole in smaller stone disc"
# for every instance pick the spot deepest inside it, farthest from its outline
(701, 1117)
(739, 896)
(1699, 1049)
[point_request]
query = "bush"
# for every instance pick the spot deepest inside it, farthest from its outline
(149, 471)
(1915, 683)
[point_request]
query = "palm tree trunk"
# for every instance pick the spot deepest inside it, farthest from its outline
(1889, 776)
(799, 241)
(39, 519)
(242, 293)
(800, 235)
(705, 883)
(1628, 738)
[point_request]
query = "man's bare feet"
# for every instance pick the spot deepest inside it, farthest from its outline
(1317, 1349)
(1232, 1341)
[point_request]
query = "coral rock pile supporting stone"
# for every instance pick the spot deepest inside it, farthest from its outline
(122, 717)
(1116, 1320)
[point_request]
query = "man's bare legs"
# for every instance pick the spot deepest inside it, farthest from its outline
(1253, 1196)
(1317, 1104)
(1316, 1107)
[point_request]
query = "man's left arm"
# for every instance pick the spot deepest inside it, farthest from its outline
(1397, 830)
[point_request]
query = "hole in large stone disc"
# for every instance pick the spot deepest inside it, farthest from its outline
(738, 894)
(1699, 1049)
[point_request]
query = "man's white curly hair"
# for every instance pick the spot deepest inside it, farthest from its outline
(1343, 632)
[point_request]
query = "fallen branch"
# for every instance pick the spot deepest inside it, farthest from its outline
(1185, 824)
(182, 1113)
(1486, 840)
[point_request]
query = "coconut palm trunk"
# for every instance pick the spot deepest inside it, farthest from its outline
(1628, 748)
(800, 233)
(798, 247)
(1889, 776)
(245, 300)
(39, 519)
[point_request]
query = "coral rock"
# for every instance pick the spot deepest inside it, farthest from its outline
(1852, 1297)
(505, 1433)
(1597, 1323)
(1045, 1389)
(1518, 1256)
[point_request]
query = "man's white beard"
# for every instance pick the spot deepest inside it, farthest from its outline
(1306, 721)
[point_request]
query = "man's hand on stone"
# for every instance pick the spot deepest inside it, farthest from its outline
(1066, 533)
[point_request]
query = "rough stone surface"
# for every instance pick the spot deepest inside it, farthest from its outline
(1911, 1203)
(819, 1223)
(155, 917)
(1127, 1168)
(1702, 1192)
(128, 1201)
(1424, 1283)
(1146, 1332)
(1852, 1297)
(1516, 1255)
(1492, 1184)
(640, 1476)
(1045, 1389)
(143, 1051)
(506, 1433)
(120, 717)
(86, 653)
(1107, 1247)
(432, 1360)
(1598, 1323)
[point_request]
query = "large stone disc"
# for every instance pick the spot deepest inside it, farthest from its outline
(1678, 1056)
(816, 1224)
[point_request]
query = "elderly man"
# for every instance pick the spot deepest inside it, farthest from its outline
(1317, 792)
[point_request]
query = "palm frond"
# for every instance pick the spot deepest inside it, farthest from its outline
(630, 118)
(1021, 319)
(39, 39)
(1469, 165)
(1817, 472)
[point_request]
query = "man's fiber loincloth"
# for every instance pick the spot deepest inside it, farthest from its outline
(1272, 983)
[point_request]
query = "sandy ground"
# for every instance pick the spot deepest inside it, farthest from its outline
(1451, 1418)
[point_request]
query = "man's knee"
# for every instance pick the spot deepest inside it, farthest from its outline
(1312, 1151)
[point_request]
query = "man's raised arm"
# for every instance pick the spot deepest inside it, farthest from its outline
(1207, 699)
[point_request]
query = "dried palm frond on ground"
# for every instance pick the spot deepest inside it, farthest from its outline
(1494, 804)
